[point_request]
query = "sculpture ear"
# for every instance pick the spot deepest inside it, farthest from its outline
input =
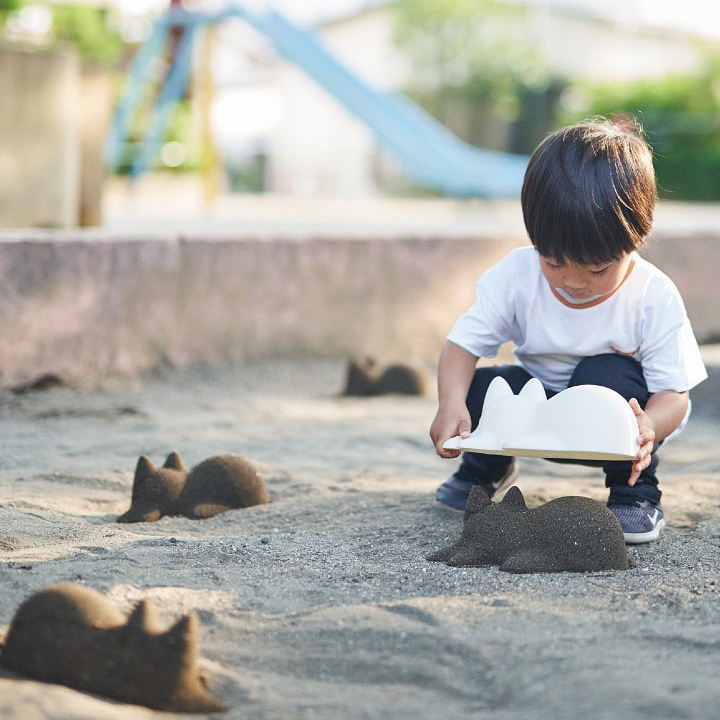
(514, 499)
(477, 500)
(497, 390)
(142, 618)
(174, 462)
(144, 466)
(533, 390)
(184, 635)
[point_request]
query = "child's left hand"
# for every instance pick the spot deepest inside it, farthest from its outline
(646, 441)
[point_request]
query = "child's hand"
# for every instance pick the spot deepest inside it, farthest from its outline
(646, 441)
(447, 424)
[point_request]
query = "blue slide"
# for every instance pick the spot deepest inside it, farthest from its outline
(428, 153)
(426, 150)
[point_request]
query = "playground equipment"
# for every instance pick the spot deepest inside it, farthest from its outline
(428, 153)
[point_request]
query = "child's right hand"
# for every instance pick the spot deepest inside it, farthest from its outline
(449, 423)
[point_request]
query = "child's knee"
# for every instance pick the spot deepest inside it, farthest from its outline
(618, 372)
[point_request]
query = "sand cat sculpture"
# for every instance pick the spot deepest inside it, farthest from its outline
(220, 483)
(74, 636)
(568, 534)
(365, 378)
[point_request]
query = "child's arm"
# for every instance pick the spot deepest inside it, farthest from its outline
(456, 369)
(663, 413)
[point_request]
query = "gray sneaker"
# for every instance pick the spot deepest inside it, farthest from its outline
(453, 493)
(641, 521)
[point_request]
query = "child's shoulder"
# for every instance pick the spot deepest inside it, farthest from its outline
(518, 263)
(653, 277)
(521, 257)
(526, 253)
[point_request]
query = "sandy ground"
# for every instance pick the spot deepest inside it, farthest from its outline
(321, 604)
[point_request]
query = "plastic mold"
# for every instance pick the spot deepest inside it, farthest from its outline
(585, 422)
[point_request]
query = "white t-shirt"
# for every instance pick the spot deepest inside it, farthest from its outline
(644, 318)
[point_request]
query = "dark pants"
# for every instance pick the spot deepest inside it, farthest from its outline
(618, 372)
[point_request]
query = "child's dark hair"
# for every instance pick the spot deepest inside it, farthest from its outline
(589, 193)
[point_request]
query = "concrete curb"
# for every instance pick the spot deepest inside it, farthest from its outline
(88, 304)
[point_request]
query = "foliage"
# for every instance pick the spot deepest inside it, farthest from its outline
(467, 42)
(86, 27)
(181, 129)
(6, 7)
(468, 52)
(680, 115)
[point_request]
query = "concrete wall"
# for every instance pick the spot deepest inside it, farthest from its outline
(39, 138)
(54, 118)
(96, 92)
(693, 263)
(90, 306)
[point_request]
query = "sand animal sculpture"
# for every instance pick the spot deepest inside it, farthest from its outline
(568, 534)
(587, 422)
(220, 483)
(365, 378)
(72, 635)
(47, 381)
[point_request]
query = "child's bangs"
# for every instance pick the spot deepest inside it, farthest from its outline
(579, 238)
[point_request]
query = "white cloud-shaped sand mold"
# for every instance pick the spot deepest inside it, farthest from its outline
(585, 422)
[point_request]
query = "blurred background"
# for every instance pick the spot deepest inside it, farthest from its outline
(210, 181)
(123, 113)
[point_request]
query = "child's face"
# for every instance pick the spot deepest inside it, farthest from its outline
(585, 281)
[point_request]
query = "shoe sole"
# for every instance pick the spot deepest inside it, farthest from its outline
(505, 482)
(639, 538)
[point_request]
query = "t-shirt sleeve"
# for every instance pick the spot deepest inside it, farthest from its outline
(671, 358)
(487, 324)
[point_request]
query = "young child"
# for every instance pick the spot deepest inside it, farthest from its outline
(582, 308)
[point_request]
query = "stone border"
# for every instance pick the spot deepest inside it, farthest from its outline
(87, 305)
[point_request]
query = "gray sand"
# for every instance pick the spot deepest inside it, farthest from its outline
(321, 604)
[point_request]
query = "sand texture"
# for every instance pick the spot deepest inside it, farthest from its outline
(321, 604)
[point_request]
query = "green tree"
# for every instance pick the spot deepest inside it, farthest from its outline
(87, 28)
(470, 52)
(680, 115)
(6, 7)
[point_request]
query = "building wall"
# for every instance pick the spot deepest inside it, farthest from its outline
(95, 117)
(577, 46)
(319, 147)
(39, 138)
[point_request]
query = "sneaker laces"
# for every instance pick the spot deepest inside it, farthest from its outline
(618, 497)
